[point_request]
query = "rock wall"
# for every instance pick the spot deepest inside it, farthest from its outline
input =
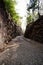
(35, 30)
(8, 29)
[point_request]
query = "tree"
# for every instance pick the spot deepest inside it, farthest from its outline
(34, 5)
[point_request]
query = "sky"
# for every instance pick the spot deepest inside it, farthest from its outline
(21, 9)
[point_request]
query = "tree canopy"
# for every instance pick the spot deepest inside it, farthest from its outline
(34, 5)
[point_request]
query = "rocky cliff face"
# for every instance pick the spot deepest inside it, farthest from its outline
(8, 29)
(35, 30)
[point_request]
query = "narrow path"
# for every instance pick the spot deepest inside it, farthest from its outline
(22, 52)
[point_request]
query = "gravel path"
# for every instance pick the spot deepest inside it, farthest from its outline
(22, 51)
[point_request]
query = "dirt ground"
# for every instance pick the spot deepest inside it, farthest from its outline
(22, 51)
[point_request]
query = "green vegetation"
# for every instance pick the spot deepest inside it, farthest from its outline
(29, 19)
(10, 7)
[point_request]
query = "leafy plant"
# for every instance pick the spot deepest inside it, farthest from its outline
(29, 19)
